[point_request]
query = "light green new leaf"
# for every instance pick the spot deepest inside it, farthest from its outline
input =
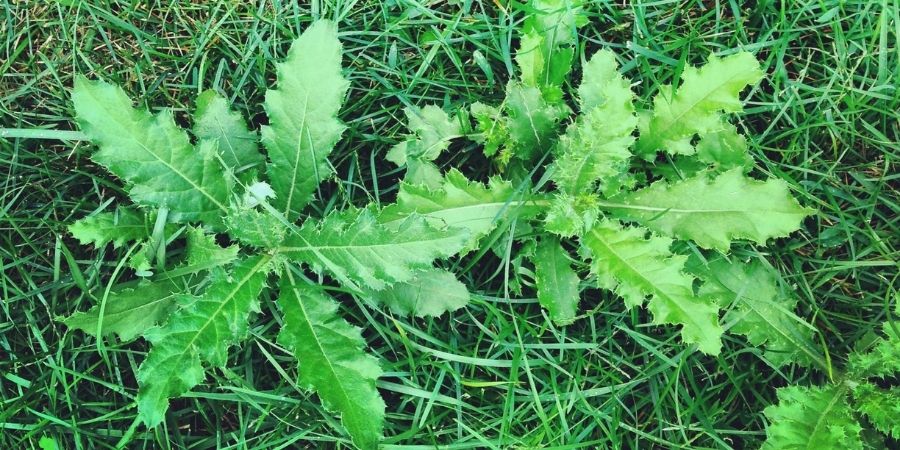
(545, 50)
(132, 308)
(636, 267)
(141, 261)
(332, 360)
(432, 129)
(492, 128)
(204, 253)
(255, 228)
(362, 253)
(215, 121)
(118, 227)
(556, 20)
(303, 125)
(430, 294)
(458, 203)
(557, 283)
(725, 149)
(151, 154)
(532, 120)
(882, 360)
(696, 106)
(714, 212)
(200, 331)
(881, 407)
(530, 59)
(603, 86)
(595, 147)
(812, 418)
(571, 215)
(761, 311)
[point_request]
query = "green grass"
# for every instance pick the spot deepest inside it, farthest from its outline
(496, 374)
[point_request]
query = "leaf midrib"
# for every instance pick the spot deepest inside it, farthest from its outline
(310, 247)
(772, 324)
(661, 134)
(157, 157)
(312, 329)
(821, 419)
(689, 317)
(295, 169)
(262, 261)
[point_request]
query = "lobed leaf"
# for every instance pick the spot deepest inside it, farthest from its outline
(430, 294)
(714, 212)
(812, 418)
(881, 407)
(492, 128)
(332, 360)
(725, 149)
(569, 215)
(546, 52)
(882, 360)
(303, 125)
(557, 283)
(635, 267)
(215, 121)
(363, 253)
(151, 154)
(131, 311)
(255, 228)
(696, 106)
(532, 120)
(200, 331)
(117, 227)
(760, 310)
(458, 203)
(595, 147)
(432, 131)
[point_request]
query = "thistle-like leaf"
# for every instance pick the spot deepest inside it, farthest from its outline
(714, 212)
(812, 418)
(303, 125)
(215, 121)
(557, 283)
(882, 360)
(725, 149)
(557, 20)
(881, 407)
(133, 307)
(545, 50)
(151, 154)
(602, 86)
(332, 360)
(761, 311)
(130, 311)
(431, 130)
(203, 253)
(595, 147)
(635, 267)
(458, 203)
(532, 120)
(430, 294)
(571, 215)
(200, 331)
(119, 227)
(491, 126)
(362, 253)
(255, 228)
(696, 106)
